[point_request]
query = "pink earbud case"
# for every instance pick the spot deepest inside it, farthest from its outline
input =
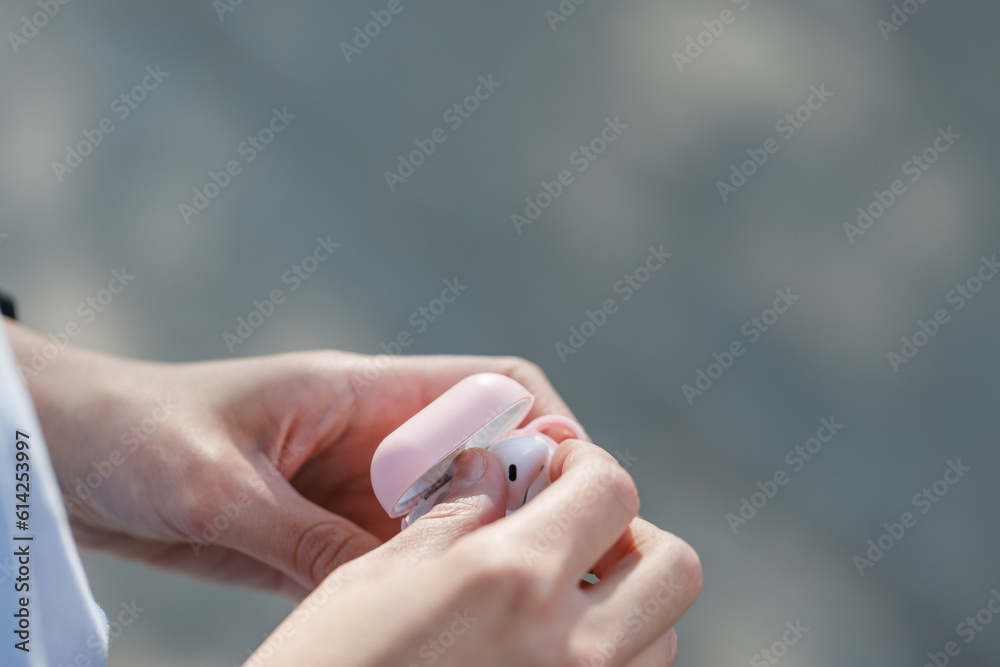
(412, 468)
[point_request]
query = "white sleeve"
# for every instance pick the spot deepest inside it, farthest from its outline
(49, 617)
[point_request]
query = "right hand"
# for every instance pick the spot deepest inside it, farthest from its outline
(460, 588)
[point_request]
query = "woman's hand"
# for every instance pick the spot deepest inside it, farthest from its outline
(462, 586)
(253, 471)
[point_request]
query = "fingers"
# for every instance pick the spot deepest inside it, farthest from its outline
(440, 373)
(583, 514)
(279, 527)
(644, 591)
(588, 520)
(477, 497)
(531, 375)
(215, 563)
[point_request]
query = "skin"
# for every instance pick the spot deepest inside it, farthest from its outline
(521, 598)
(257, 473)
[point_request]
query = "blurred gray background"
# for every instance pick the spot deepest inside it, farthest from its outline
(656, 184)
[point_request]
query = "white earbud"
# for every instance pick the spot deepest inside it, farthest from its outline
(525, 462)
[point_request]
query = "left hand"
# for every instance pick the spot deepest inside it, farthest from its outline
(252, 471)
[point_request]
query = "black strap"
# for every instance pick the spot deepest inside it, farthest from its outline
(7, 306)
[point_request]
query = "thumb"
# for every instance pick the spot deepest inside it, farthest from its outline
(477, 497)
(294, 535)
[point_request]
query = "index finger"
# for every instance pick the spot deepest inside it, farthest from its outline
(439, 373)
(570, 525)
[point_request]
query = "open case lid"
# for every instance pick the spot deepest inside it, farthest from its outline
(416, 459)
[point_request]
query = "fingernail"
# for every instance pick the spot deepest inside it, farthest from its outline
(469, 469)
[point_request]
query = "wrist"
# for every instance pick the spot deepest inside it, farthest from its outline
(60, 380)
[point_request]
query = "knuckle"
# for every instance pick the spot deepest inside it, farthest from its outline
(501, 575)
(689, 563)
(619, 485)
(519, 367)
(320, 549)
(681, 569)
(494, 570)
